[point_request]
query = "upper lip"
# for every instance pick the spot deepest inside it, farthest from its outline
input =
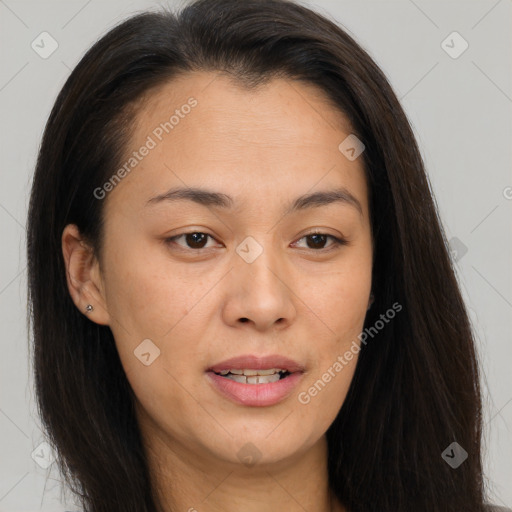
(254, 362)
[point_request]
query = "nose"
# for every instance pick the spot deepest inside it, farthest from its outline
(261, 292)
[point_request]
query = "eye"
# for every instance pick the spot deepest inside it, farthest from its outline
(193, 239)
(318, 240)
(197, 240)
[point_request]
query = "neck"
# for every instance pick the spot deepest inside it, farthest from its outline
(188, 480)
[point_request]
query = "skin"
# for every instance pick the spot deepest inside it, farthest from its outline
(303, 298)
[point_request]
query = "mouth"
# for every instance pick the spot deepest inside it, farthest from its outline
(256, 381)
(252, 376)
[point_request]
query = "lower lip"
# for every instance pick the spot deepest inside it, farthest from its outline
(255, 395)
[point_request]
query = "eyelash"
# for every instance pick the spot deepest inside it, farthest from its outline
(337, 242)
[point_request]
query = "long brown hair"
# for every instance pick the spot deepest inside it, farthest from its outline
(416, 385)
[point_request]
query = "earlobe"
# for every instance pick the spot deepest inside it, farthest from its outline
(83, 276)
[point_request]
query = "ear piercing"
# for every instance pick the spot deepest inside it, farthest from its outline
(88, 308)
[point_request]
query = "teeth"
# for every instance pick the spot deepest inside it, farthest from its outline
(270, 371)
(237, 378)
(255, 379)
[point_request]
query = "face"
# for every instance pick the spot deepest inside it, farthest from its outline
(254, 270)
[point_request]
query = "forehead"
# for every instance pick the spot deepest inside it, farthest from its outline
(204, 129)
(286, 110)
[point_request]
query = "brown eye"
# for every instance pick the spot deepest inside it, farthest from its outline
(193, 240)
(317, 241)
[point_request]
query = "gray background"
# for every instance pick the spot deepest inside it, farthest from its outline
(460, 109)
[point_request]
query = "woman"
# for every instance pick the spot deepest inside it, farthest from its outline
(242, 297)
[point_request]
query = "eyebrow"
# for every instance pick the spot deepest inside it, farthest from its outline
(219, 200)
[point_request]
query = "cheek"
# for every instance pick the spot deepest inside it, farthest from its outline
(147, 306)
(143, 296)
(339, 301)
(167, 401)
(322, 395)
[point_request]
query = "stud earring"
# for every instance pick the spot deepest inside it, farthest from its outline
(88, 308)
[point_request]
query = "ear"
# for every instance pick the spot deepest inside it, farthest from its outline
(83, 275)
